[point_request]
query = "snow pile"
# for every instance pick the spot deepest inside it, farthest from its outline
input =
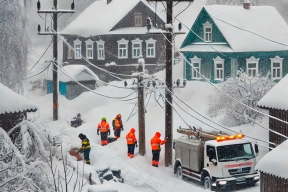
(74, 72)
(11, 102)
(275, 162)
(276, 98)
(111, 187)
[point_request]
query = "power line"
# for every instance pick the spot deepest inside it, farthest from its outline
(37, 73)
(41, 56)
(221, 90)
(106, 71)
(67, 74)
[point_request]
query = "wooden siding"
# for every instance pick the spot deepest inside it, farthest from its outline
(264, 65)
(198, 28)
(74, 89)
(277, 125)
(271, 183)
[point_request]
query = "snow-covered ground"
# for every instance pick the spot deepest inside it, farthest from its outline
(137, 172)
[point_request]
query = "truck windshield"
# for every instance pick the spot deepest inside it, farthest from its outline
(235, 152)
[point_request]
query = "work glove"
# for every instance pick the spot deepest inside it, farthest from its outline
(97, 132)
(80, 150)
(136, 144)
(122, 129)
(109, 132)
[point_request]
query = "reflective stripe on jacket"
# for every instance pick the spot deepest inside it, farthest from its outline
(156, 142)
(85, 144)
(103, 127)
(117, 123)
(130, 137)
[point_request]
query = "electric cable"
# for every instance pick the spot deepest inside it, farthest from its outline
(37, 73)
(65, 73)
(221, 90)
(40, 57)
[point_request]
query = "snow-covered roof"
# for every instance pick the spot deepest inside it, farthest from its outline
(11, 102)
(276, 98)
(74, 72)
(100, 17)
(274, 162)
(265, 24)
(206, 48)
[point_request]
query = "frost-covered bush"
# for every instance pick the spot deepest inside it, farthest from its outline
(247, 90)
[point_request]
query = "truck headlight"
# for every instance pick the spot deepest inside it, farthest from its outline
(222, 182)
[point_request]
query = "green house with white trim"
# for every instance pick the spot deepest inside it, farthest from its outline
(225, 39)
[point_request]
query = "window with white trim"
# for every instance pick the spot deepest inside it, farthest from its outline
(136, 48)
(196, 69)
(122, 49)
(207, 31)
(219, 68)
(100, 50)
(77, 47)
(276, 67)
(89, 49)
(138, 19)
(150, 48)
(252, 66)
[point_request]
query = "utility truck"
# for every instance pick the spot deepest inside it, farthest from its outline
(218, 160)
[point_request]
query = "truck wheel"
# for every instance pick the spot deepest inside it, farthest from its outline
(179, 172)
(207, 183)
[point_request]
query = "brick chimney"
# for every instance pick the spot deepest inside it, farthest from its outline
(246, 4)
(108, 1)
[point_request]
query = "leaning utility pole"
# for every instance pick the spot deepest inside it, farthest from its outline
(169, 82)
(141, 107)
(54, 32)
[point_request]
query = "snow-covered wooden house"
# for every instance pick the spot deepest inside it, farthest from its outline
(224, 39)
(112, 34)
(73, 80)
(13, 108)
(276, 101)
(274, 170)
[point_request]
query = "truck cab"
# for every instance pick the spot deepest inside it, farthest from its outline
(217, 164)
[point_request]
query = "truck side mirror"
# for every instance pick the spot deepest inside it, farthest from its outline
(214, 161)
(256, 149)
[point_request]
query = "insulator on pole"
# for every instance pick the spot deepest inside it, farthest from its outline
(38, 5)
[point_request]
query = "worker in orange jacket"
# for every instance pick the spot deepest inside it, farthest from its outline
(117, 125)
(155, 145)
(131, 142)
(104, 129)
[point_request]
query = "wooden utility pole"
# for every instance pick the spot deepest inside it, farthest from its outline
(53, 32)
(55, 68)
(169, 82)
(141, 107)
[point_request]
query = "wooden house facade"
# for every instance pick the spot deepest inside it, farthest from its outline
(277, 103)
(112, 36)
(225, 39)
(13, 108)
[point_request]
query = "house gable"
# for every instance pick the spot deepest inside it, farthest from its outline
(198, 27)
(141, 11)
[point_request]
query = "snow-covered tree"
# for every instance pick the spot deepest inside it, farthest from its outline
(14, 44)
(247, 90)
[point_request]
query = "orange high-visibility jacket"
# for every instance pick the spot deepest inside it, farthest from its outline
(103, 127)
(130, 137)
(156, 142)
(117, 123)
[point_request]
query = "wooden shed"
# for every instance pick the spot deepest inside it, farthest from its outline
(68, 77)
(274, 170)
(276, 101)
(13, 108)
